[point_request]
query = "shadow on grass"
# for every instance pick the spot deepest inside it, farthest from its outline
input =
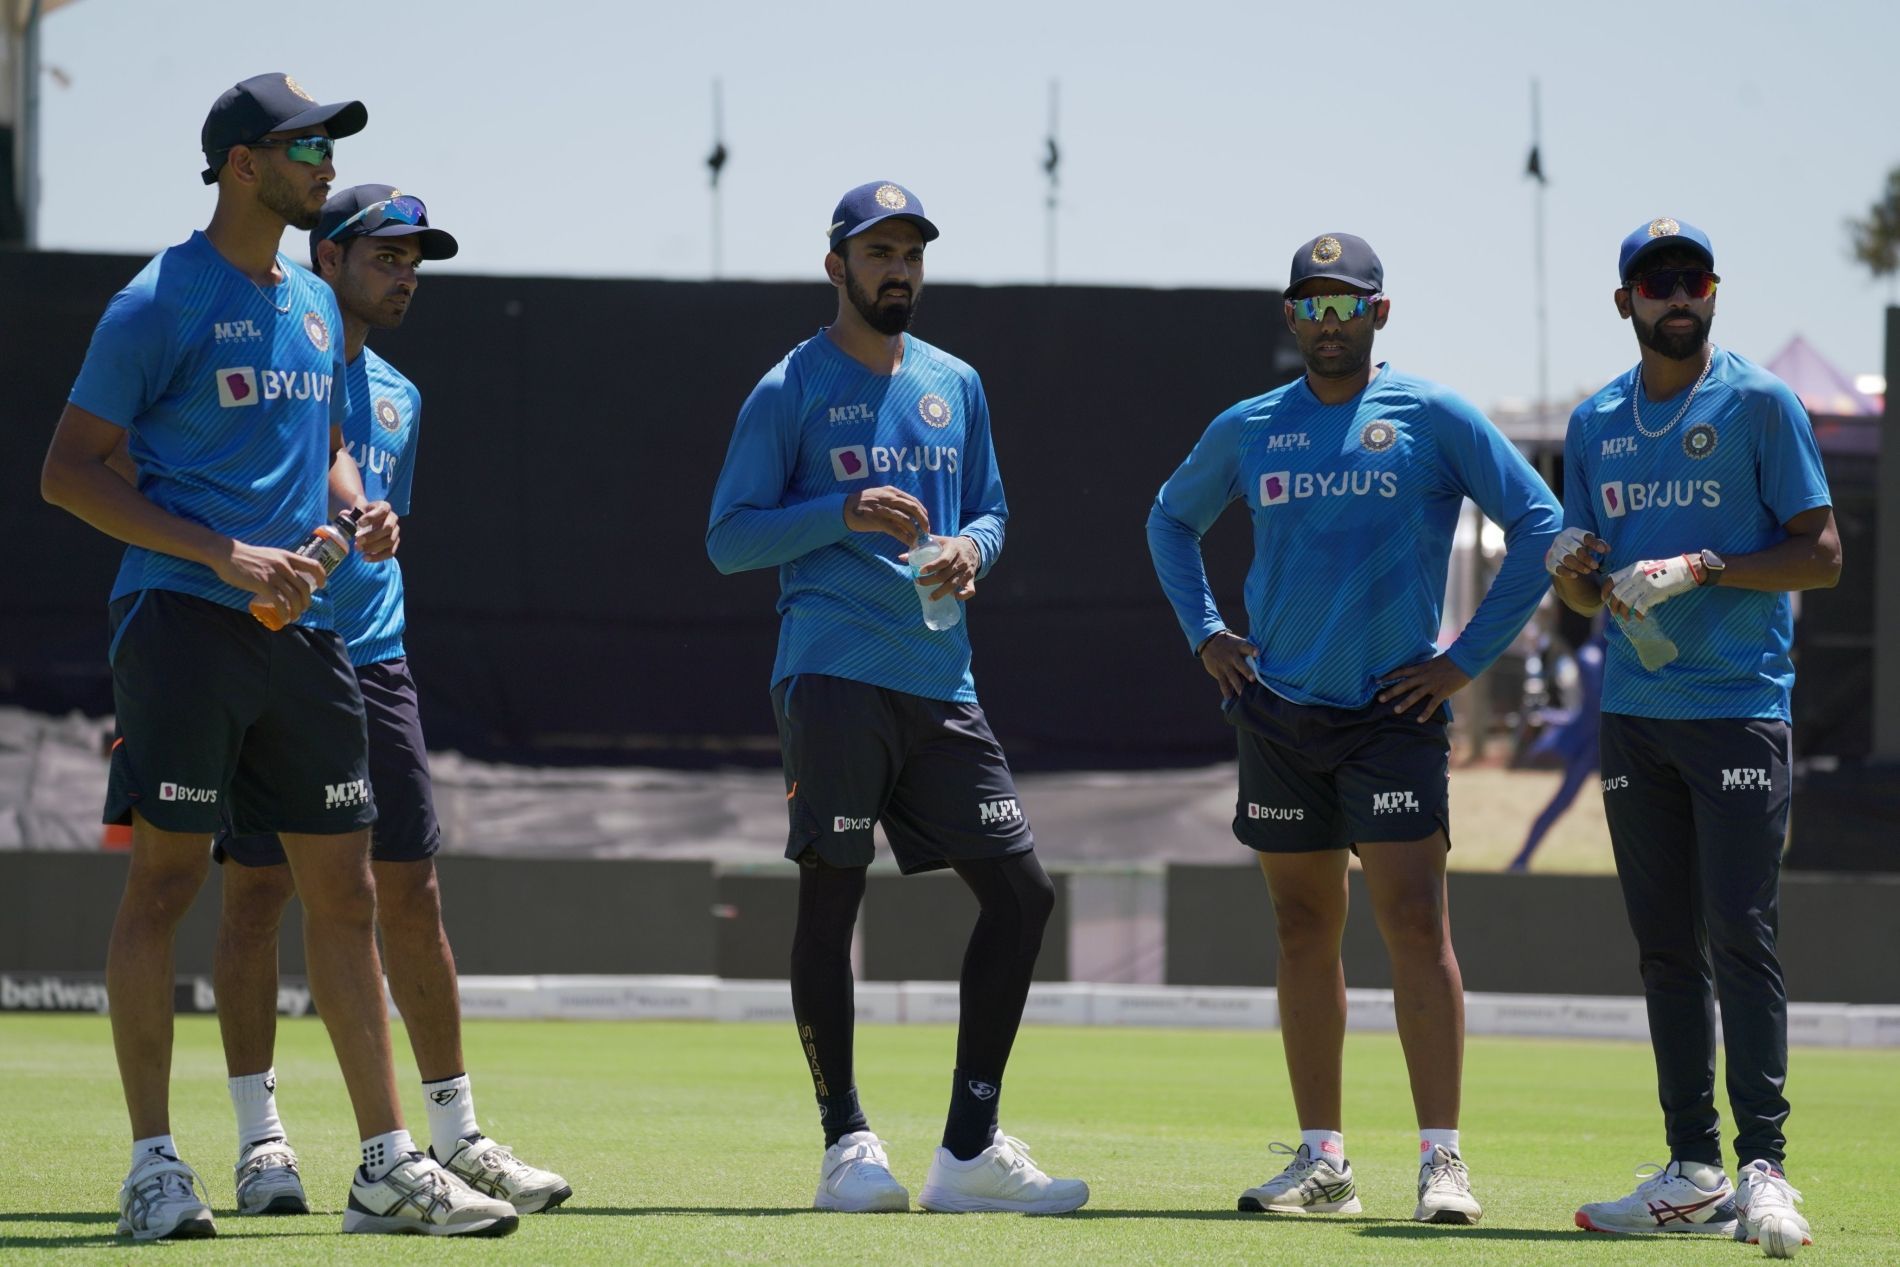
(1405, 1229)
(715, 1211)
(107, 1233)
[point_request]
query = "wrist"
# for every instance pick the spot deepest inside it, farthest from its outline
(1697, 573)
(1209, 639)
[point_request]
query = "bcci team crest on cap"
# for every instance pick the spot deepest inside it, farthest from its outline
(1699, 441)
(1664, 227)
(1378, 435)
(1327, 250)
(1663, 234)
(297, 88)
(319, 333)
(386, 416)
(891, 198)
(935, 409)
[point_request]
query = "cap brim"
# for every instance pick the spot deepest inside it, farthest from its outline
(436, 244)
(928, 229)
(1657, 245)
(345, 118)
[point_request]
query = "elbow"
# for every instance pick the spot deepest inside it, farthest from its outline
(54, 484)
(721, 553)
(1830, 567)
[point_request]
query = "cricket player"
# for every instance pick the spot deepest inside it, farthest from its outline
(1694, 501)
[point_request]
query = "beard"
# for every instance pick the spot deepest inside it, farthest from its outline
(279, 197)
(1354, 355)
(1681, 346)
(885, 319)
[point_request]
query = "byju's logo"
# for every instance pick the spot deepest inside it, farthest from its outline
(1620, 499)
(345, 795)
(195, 795)
(1275, 487)
(850, 462)
(237, 386)
(1279, 812)
(1003, 809)
(1394, 803)
(841, 823)
(1746, 781)
(1615, 782)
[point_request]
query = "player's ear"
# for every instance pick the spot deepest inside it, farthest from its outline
(1622, 300)
(329, 260)
(240, 164)
(834, 267)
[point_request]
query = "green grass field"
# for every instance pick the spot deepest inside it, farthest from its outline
(698, 1143)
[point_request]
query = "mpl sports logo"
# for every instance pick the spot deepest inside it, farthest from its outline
(1394, 803)
(1280, 487)
(1619, 447)
(1279, 813)
(1621, 498)
(346, 795)
(1746, 780)
(235, 331)
(997, 811)
(841, 414)
(190, 795)
(1288, 440)
(244, 385)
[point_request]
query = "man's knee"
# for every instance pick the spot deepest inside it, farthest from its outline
(254, 901)
(408, 899)
(333, 878)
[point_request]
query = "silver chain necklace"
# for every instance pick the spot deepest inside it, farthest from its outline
(1636, 397)
(286, 285)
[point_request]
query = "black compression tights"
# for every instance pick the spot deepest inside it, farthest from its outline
(1015, 898)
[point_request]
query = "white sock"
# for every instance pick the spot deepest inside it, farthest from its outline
(143, 1148)
(382, 1153)
(451, 1107)
(1701, 1174)
(1436, 1137)
(1326, 1146)
(254, 1096)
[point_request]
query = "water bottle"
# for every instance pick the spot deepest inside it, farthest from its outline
(1651, 644)
(939, 613)
(329, 544)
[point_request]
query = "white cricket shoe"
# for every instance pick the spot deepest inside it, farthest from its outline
(418, 1197)
(855, 1178)
(159, 1201)
(1444, 1190)
(1765, 1213)
(1308, 1185)
(1001, 1177)
(494, 1170)
(1667, 1200)
(267, 1180)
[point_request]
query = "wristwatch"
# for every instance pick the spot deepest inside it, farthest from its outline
(1712, 568)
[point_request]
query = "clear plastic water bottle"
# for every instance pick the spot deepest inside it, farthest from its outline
(939, 613)
(1651, 645)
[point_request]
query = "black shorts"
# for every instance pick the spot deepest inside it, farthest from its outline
(929, 770)
(406, 829)
(221, 718)
(1313, 777)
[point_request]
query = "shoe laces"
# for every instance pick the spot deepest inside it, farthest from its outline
(1015, 1153)
(505, 1159)
(274, 1155)
(154, 1182)
(1765, 1182)
(1446, 1171)
(1302, 1165)
(865, 1152)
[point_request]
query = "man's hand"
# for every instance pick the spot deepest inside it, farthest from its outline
(1225, 657)
(1573, 554)
(377, 531)
(286, 578)
(1641, 586)
(887, 510)
(955, 569)
(1430, 683)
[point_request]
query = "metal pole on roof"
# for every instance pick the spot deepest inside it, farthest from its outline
(716, 161)
(1051, 163)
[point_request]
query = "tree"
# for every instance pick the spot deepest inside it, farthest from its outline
(1875, 241)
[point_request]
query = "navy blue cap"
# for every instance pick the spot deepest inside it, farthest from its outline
(1660, 234)
(256, 107)
(436, 244)
(1338, 257)
(871, 204)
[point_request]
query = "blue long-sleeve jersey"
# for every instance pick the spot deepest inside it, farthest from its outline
(817, 428)
(1354, 507)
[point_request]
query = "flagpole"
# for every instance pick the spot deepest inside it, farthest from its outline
(1543, 293)
(717, 162)
(1049, 165)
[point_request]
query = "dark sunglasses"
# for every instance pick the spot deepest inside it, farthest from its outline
(1696, 283)
(314, 150)
(402, 209)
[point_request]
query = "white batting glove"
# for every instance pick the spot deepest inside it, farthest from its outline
(1641, 586)
(1569, 541)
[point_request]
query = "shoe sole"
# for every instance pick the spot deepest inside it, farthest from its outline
(1447, 1217)
(1724, 1228)
(193, 1229)
(378, 1225)
(547, 1203)
(283, 1203)
(944, 1204)
(1253, 1205)
(888, 1203)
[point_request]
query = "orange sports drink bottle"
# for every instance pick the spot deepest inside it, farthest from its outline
(329, 544)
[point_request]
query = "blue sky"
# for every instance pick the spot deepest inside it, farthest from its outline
(1202, 142)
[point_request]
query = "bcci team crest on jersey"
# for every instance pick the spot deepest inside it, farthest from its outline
(319, 332)
(1378, 435)
(386, 416)
(1699, 441)
(935, 409)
